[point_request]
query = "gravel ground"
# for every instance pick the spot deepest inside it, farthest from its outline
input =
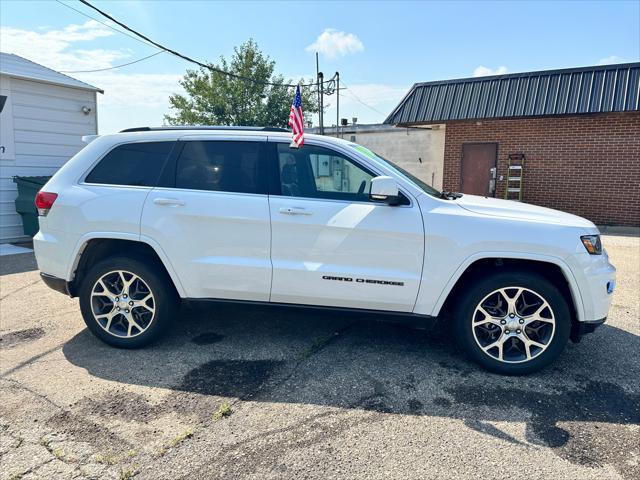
(260, 393)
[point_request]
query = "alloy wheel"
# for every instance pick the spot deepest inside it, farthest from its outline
(122, 304)
(513, 324)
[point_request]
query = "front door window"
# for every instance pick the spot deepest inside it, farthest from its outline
(317, 172)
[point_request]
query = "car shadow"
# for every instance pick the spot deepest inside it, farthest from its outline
(293, 356)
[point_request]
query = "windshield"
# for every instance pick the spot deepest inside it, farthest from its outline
(401, 171)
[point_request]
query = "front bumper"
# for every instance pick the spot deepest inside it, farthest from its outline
(596, 281)
(582, 328)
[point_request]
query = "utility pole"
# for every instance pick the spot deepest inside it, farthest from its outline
(330, 90)
(319, 86)
(337, 104)
(321, 111)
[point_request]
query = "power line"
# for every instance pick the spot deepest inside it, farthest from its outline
(189, 59)
(115, 66)
(357, 99)
(103, 23)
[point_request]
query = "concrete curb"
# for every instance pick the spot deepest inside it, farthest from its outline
(613, 230)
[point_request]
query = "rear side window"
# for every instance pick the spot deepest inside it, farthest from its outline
(222, 166)
(136, 164)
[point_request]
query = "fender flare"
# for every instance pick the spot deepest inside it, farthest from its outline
(574, 288)
(84, 240)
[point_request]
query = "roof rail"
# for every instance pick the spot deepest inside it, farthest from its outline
(211, 127)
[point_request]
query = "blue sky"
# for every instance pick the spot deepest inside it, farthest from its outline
(380, 48)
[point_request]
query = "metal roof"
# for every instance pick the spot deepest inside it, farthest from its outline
(19, 67)
(606, 88)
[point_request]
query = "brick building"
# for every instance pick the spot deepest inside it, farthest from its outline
(572, 137)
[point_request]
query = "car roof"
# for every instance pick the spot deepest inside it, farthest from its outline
(204, 127)
(139, 134)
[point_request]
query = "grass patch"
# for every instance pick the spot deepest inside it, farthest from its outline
(127, 473)
(224, 410)
(188, 433)
(107, 458)
(159, 452)
(56, 452)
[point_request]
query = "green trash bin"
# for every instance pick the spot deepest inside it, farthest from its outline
(25, 203)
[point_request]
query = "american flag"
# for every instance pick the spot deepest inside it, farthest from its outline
(296, 119)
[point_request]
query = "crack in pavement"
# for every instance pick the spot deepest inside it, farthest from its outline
(18, 384)
(31, 360)
(20, 289)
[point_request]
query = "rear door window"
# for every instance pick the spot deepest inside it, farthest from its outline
(222, 166)
(136, 164)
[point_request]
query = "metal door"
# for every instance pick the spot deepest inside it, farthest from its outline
(478, 170)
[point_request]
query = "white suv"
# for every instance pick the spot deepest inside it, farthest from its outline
(144, 218)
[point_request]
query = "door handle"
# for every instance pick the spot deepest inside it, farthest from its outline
(294, 211)
(168, 202)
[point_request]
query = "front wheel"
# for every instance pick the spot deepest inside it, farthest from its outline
(127, 302)
(513, 322)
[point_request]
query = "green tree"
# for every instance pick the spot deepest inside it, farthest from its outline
(212, 98)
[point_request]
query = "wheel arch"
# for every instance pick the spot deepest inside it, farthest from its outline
(93, 247)
(553, 268)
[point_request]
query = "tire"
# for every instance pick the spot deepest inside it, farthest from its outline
(140, 319)
(487, 334)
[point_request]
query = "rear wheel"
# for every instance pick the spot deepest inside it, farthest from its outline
(513, 322)
(127, 302)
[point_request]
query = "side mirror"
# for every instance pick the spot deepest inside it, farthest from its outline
(384, 189)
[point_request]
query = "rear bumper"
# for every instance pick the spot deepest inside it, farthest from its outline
(53, 249)
(55, 283)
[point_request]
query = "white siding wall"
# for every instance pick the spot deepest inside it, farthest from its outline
(48, 125)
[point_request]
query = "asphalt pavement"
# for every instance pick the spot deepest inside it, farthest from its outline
(256, 392)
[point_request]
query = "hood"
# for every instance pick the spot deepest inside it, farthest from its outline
(511, 209)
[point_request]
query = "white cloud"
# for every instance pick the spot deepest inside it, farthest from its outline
(130, 99)
(482, 71)
(610, 59)
(52, 48)
(332, 44)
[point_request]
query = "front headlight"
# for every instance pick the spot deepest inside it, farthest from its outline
(592, 243)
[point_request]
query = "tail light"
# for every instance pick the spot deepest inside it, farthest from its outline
(44, 202)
